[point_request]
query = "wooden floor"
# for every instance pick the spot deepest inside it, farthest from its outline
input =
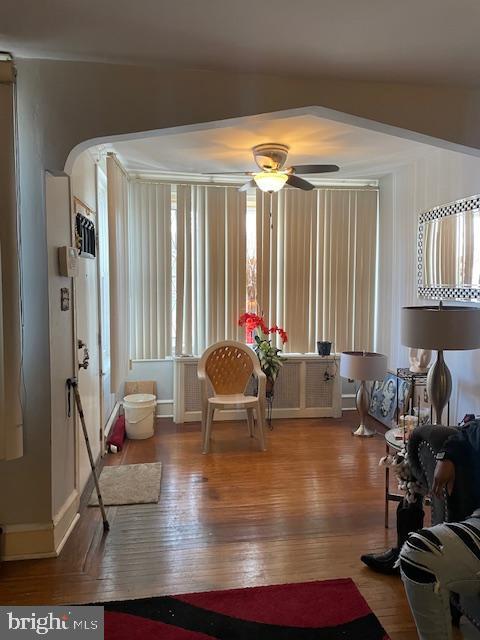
(304, 510)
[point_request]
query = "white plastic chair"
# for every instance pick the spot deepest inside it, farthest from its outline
(228, 367)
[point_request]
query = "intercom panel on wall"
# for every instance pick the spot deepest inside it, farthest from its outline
(68, 261)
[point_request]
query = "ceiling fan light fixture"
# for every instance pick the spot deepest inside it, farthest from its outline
(270, 180)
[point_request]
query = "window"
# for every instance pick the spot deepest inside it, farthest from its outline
(203, 255)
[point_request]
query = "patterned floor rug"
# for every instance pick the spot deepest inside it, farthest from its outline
(327, 610)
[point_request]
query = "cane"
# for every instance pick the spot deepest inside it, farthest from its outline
(72, 383)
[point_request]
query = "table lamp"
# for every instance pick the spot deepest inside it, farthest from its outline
(363, 366)
(440, 329)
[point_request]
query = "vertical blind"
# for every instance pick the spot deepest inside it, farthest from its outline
(346, 307)
(316, 260)
(211, 265)
(11, 415)
(315, 266)
(150, 270)
(117, 195)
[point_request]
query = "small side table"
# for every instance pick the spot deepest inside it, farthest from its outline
(394, 442)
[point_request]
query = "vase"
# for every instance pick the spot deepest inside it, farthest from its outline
(324, 347)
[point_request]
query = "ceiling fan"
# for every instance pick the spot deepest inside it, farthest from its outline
(271, 158)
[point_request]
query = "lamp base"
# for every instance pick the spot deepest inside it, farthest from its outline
(363, 403)
(439, 387)
(364, 432)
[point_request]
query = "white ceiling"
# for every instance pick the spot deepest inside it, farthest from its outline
(418, 40)
(226, 146)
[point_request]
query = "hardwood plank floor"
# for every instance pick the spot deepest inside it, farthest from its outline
(304, 510)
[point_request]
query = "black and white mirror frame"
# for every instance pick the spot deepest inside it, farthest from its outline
(443, 292)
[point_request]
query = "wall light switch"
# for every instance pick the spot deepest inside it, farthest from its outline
(64, 299)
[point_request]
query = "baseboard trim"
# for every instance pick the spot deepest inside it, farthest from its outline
(164, 409)
(43, 539)
(111, 420)
(63, 520)
(60, 546)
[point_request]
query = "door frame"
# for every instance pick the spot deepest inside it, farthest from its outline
(77, 203)
(101, 177)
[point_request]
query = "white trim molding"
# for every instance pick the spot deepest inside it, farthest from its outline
(164, 409)
(40, 540)
(112, 418)
(217, 179)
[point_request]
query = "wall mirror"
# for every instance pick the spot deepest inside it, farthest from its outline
(449, 251)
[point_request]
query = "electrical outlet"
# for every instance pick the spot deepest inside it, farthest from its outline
(64, 299)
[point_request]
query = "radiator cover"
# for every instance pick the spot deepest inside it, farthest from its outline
(301, 389)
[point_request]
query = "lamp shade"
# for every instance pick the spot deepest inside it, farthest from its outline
(270, 180)
(441, 328)
(363, 365)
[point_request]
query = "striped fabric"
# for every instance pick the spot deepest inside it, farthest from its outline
(428, 553)
(435, 563)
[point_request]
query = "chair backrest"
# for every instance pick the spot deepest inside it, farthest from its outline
(229, 366)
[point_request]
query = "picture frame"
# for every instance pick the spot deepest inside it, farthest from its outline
(389, 398)
(422, 407)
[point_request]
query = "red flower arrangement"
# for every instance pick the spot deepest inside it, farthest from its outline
(281, 332)
(252, 321)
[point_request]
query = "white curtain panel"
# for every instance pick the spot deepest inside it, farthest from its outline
(150, 269)
(316, 260)
(117, 194)
(11, 415)
(211, 266)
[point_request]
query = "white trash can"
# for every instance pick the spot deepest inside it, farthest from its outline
(139, 412)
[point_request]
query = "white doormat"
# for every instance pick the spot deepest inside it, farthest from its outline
(129, 484)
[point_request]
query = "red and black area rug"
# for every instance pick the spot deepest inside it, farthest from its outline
(327, 610)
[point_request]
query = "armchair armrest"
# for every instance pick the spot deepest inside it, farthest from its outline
(262, 385)
(202, 377)
(423, 446)
(429, 438)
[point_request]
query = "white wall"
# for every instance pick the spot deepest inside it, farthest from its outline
(161, 372)
(438, 177)
(20, 504)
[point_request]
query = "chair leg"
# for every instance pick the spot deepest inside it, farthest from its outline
(208, 429)
(250, 422)
(261, 423)
(204, 419)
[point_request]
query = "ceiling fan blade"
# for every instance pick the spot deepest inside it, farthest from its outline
(315, 168)
(248, 185)
(227, 173)
(300, 183)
